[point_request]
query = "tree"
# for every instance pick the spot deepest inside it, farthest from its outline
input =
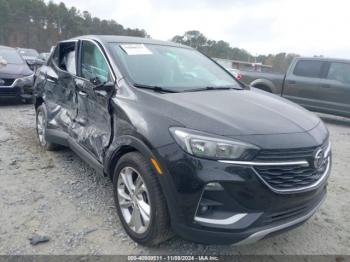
(222, 49)
(39, 25)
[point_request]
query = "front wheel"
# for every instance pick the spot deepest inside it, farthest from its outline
(140, 203)
(41, 125)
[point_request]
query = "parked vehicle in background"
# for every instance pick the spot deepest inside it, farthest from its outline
(16, 78)
(44, 56)
(235, 72)
(236, 66)
(32, 57)
(187, 145)
(318, 84)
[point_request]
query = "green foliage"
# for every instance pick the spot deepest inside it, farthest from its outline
(219, 49)
(279, 62)
(35, 24)
(222, 49)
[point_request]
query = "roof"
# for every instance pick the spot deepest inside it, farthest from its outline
(7, 47)
(128, 39)
(327, 59)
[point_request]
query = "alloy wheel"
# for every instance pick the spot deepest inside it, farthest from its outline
(133, 199)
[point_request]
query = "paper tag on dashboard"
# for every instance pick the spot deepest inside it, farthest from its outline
(136, 49)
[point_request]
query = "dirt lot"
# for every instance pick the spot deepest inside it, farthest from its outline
(57, 195)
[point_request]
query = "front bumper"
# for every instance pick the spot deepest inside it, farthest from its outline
(247, 235)
(247, 210)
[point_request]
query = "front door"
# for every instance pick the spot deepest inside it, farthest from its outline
(304, 84)
(60, 88)
(92, 129)
(337, 88)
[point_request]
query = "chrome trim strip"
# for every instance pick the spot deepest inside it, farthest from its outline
(250, 163)
(261, 234)
(328, 149)
(296, 190)
(225, 221)
(16, 80)
(11, 86)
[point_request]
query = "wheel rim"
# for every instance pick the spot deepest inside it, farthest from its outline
(133, 199)
(41, 128)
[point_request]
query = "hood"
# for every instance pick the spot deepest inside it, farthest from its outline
(33, 60)
(236, 112)
(15, 71)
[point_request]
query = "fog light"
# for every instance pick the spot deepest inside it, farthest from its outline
(204, 209)
(213, 186)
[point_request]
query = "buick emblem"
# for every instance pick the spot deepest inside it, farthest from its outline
(2, 82)
(319, 158)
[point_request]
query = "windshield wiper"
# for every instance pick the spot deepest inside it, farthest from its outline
(213, 88)
(155, 88)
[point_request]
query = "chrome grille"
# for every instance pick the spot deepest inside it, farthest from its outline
(284, 177)
(6, 81)
(290, 177)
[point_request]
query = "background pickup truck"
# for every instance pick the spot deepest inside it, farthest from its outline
(318, 84)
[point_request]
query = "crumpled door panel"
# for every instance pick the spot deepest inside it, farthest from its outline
(92, 128)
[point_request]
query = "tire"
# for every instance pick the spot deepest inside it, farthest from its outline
(157, 228)
(41, 125)
(28, 101)
(264, 88)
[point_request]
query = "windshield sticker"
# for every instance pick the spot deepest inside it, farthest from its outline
(136, 49)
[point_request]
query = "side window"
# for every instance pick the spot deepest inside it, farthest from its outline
(64, 57)
(339, 72)
(309, 68)
(94, 66)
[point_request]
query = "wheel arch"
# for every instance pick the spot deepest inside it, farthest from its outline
(125, 144)
(264, 84)
(121, 146)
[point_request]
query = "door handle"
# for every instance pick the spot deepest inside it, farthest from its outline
(83, 93)
(325, 86)
(292, 82)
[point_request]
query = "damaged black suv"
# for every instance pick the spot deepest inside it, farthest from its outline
(190, 150)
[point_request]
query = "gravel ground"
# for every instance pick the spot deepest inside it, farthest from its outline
(55, 194)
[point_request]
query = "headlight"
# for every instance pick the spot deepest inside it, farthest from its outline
(27, 80)
(211, 146)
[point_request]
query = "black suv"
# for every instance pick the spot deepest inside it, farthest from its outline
(188, 147)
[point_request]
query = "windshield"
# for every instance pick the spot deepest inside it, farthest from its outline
(10, 56)
(174, 68)
(28, 52)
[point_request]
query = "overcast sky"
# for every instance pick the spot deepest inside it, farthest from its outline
(306, 27)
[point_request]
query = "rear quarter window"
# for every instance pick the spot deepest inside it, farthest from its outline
(309, 68)
(339, 72)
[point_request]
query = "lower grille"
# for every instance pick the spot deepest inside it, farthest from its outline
(8, 91)
(292, 212)
(285, 215)
(6, 81)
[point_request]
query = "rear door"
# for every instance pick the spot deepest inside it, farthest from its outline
(303, 84)
(337, 88)
(92, 129)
